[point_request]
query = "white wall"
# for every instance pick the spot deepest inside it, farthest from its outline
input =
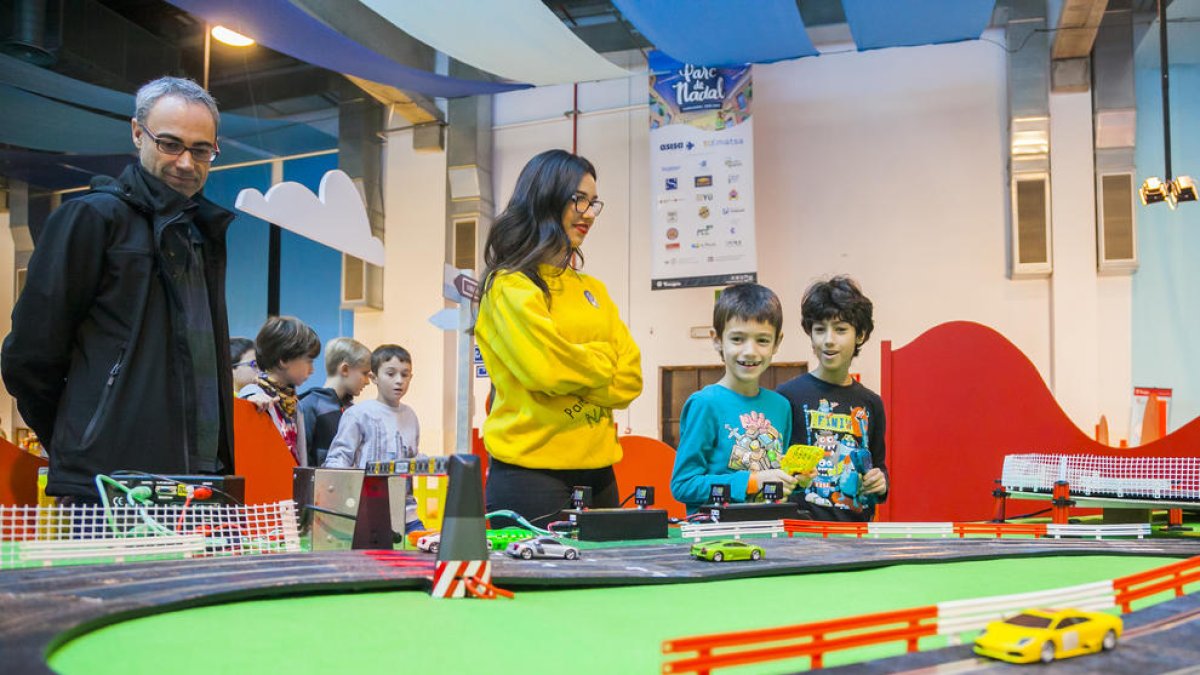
(890, 166)
(1090, 315)
(414, 226)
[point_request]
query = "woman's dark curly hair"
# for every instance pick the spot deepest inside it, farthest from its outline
(530, 231)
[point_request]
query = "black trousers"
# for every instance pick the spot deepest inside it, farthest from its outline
(540, 494)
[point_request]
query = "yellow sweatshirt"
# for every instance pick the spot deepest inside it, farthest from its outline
(559, 368)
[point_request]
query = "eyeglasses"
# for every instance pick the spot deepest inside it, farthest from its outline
(169, 146)
(582, 205)
(252, 363)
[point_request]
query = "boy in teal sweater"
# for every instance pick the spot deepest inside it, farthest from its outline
(735, 432)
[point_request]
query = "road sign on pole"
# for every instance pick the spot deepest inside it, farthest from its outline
(460, 288)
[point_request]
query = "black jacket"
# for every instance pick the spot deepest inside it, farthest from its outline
(92, 358)
(322, 411)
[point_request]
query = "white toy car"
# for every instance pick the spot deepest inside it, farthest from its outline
(541, 547)
(430, 542)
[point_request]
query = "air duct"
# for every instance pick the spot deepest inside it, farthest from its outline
(32, 31)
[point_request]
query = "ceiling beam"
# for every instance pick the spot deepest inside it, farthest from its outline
(1077, 26)
(415, 109)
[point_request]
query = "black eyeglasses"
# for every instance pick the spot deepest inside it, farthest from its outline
(252, 363)
(170, 146)
(582, 205)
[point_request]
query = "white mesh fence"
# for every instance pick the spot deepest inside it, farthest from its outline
(1174, 478)
(46, 535)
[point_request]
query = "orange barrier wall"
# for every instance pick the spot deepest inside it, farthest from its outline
(959, 398)
(18, 475)
(260, 455)
(648, 461)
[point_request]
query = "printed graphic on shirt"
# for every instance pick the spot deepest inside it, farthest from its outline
(590, 413)
(758, 445)
(382, 442)
(843, 437)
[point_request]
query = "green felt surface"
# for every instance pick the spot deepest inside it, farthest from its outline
(603, 630)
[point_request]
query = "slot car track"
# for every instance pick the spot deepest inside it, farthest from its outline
(41, 608)
(1164, 638)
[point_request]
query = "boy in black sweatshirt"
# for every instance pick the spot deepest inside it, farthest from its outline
(833, 411)
(347, 371)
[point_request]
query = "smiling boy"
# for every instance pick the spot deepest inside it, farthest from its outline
(735, 432)
(833, 411)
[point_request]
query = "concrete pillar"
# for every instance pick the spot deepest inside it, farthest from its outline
(1074, 305)
(414, 197)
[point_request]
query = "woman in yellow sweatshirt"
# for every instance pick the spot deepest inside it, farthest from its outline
(560, 358)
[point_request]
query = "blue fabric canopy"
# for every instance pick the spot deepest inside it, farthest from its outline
(721, 33)
(286, 28)
(876, 24)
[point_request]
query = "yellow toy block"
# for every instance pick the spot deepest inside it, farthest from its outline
(801, 459)
(430, 493)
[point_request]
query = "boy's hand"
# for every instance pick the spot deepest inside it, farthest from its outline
(775, 476)
(262, 401)
(874, 483)
(803, 480)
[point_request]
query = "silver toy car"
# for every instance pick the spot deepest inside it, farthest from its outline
(541, 547)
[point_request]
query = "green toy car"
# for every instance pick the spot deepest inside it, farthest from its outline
(499, 539)
(726, 549)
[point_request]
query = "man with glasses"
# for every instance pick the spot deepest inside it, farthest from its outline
(119, 350)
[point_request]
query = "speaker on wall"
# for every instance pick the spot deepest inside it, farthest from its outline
(1116, 223)
(362, 284)
(1031, 226)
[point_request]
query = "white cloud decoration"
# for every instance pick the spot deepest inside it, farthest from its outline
(337, 218)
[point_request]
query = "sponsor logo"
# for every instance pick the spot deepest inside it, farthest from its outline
(669, 200)
(733, 195)
(705, 231)
(672, 183)
(704, 164)
(665, 147)
(672, 217)
(733, 243)
(704, 244)
(703, 181)
(669, 169)
(704, 196)
(726, 210)
(730, 162)
(673, 246)
(704, 212)
(700, 88)
(733, 178)
(672, 233)
(724, 141)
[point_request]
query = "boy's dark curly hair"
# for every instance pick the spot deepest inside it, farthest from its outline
(840, 299)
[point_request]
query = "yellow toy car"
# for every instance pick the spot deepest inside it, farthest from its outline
(1048, 634)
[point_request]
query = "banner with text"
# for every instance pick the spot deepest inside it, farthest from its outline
(702, 173)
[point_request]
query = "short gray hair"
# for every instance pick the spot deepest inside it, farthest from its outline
(188, 90)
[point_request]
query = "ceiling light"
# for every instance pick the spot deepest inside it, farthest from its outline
(231, 38)
(1152, 191)
(1183, 189)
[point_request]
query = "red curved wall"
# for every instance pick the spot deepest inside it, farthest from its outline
(958, 399)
